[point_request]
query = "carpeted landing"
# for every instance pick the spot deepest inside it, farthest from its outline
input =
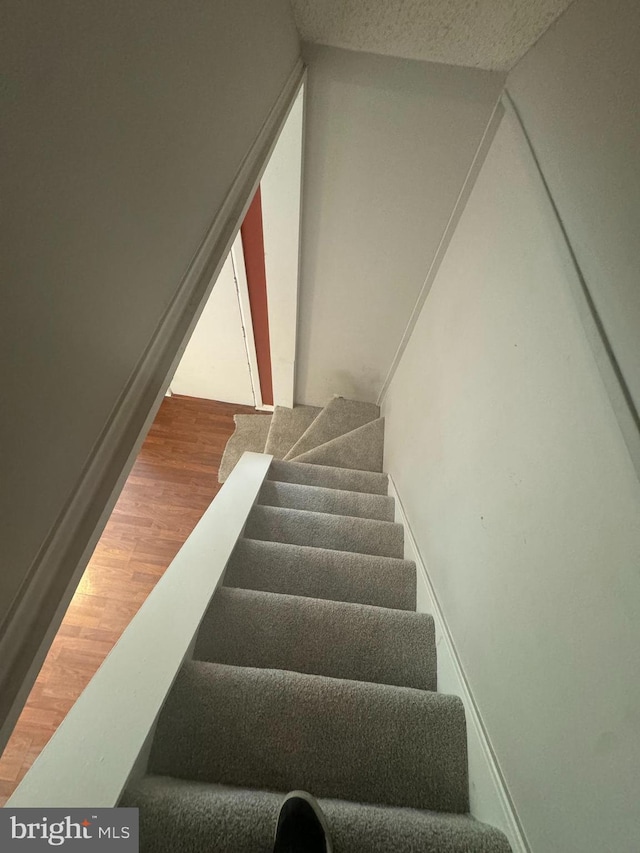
(312, 669)
(344, 434)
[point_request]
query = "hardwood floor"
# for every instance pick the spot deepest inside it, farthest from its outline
(174, 479)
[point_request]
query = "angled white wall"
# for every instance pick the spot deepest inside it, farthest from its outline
(525, 507)
(388, 144)
(124, 128)
(215, 364)
(578, 92)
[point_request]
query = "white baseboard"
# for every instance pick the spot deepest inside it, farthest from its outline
(489, 798)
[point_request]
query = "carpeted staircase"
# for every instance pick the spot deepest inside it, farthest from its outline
(312, 669)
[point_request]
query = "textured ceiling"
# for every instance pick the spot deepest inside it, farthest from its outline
(491, 34)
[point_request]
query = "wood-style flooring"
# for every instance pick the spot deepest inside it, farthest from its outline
(174, 479)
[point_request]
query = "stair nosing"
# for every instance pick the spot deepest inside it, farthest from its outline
(364, 685)
(276, 543)
(326, 515)
(385, 498)
(384, 505)
(327, 602)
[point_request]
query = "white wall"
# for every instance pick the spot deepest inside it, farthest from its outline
(526, 509)
(388, 144)
(215, 364)
(220, 357)
(124, 126)
(578, 92)
(280, 189)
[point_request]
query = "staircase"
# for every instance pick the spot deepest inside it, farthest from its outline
(312, 669)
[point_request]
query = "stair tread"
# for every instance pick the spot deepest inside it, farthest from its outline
(250, 434)
(242, 820)
(328, 476)
(287, 426)
(320, 499)
(361, 449)
(337, 639)
(323, 573)
(339, 416)
(286, 730)
(318, 529)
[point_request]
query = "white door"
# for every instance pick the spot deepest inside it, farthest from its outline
(215, 364)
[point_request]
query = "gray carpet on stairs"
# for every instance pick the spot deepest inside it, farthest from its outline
(312, 669)
(362, 449)
(287, 426)
(320, 530)
(322, 573)
(178, 816)
(338, 417)
(370, 482)
(265, 728)
(250, 434)
(332, 501)
(263, 629)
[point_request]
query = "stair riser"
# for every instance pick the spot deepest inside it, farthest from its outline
(340, 739)
(332, 501)
(318, 530)
(368, 482)
(318, 573)
(246, 628)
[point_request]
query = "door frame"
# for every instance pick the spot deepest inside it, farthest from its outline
(242, 289)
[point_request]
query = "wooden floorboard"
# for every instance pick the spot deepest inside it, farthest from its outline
(173, 481)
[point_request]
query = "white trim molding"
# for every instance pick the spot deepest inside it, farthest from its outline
(242, 289)
(97, 747)
(489, 798)
(29, 628)
(447, 235)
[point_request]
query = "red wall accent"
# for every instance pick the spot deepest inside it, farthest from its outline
(253, 245)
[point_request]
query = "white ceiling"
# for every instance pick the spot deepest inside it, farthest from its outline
(491, 34)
